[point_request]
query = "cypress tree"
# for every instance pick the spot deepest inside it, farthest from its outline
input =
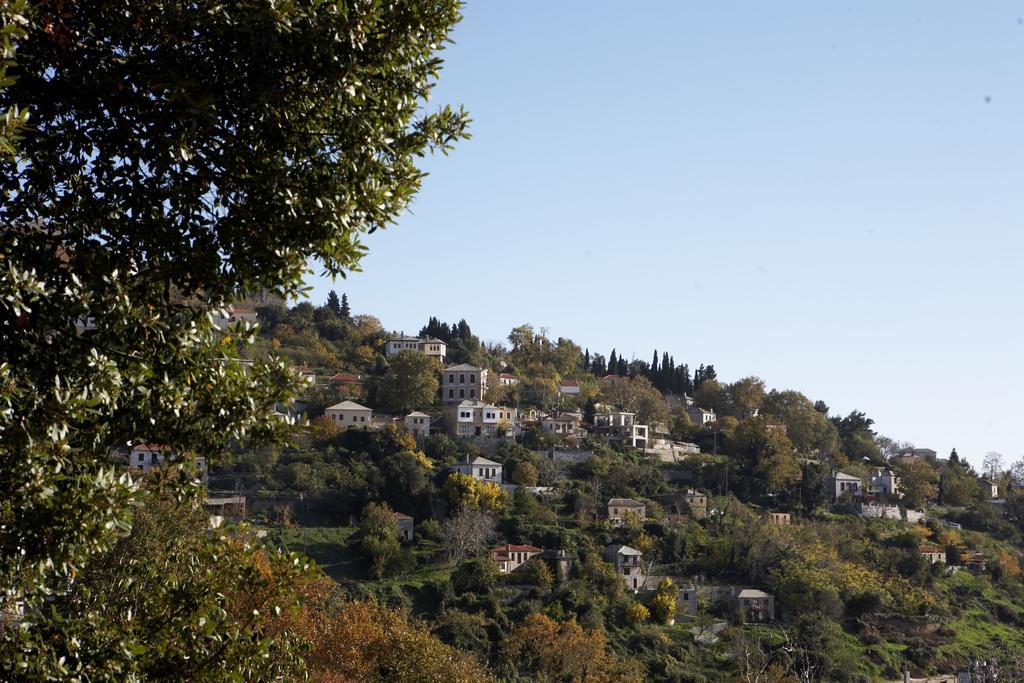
(652, 372)
(586, 360)
(344, 311)
(333, 303)
(613, 363)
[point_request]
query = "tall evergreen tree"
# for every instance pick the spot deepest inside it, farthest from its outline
(586, 360)
(667, 372)
(613, 363)
(344, 310)
(623, 367)
(652, 372)
(333, 303)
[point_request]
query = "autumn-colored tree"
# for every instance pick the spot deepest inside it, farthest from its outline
(637, 613)
(546, 651)
(663, 604)
(525, 474)
(362, 641)
(464, 490)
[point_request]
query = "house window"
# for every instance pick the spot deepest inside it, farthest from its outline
(353, 418)
(472, 379)
(472, 393)
(451, 379)
(462, 379)
(462, 393)
(451, 393)
(362, 418)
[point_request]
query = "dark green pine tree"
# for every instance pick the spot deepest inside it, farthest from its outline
(623, 367)
(333, 303)
(613, 363)
(586, 360)
(668, 371)
(652, 372)
(344, 311)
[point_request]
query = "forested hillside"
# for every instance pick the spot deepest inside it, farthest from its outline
(856, 594)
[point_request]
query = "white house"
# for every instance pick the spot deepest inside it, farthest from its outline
(462, 382)
(479, 468)
(989, 487)
(428, 346)
(471, 418)
(701, 416)
(845, 483)
(884, 481)
(506, 379)
(147, 457)
(933, 553)
(349, 414)
(628, 563)
(510, 557)
(418, 423)
(568, 387)
(621, 427)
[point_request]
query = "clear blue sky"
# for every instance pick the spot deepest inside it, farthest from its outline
(827, 195)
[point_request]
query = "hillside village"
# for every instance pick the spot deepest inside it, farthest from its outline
(685, 525)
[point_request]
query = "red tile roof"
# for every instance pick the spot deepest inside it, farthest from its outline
(509, 548)
(568, 383)
(930, 549)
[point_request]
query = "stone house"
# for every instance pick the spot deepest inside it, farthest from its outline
(418, 424)
(461, 382)
(933, 553)
(428, 346)
(626, 511)
(510, 557)
(779, 518)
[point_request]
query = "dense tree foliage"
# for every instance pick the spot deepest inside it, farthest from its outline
(180, 156)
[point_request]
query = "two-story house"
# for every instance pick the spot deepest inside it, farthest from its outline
(462, 382)
(841, 483)
(701, 416)
(561, 425)
(510, 557)
(628, 563)
(472, 418)
(406, 527)
(349, 414)
(626, 512)
(479, 468)
(885, 482)
(418, 424)
(621, 427)
(428, 346)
